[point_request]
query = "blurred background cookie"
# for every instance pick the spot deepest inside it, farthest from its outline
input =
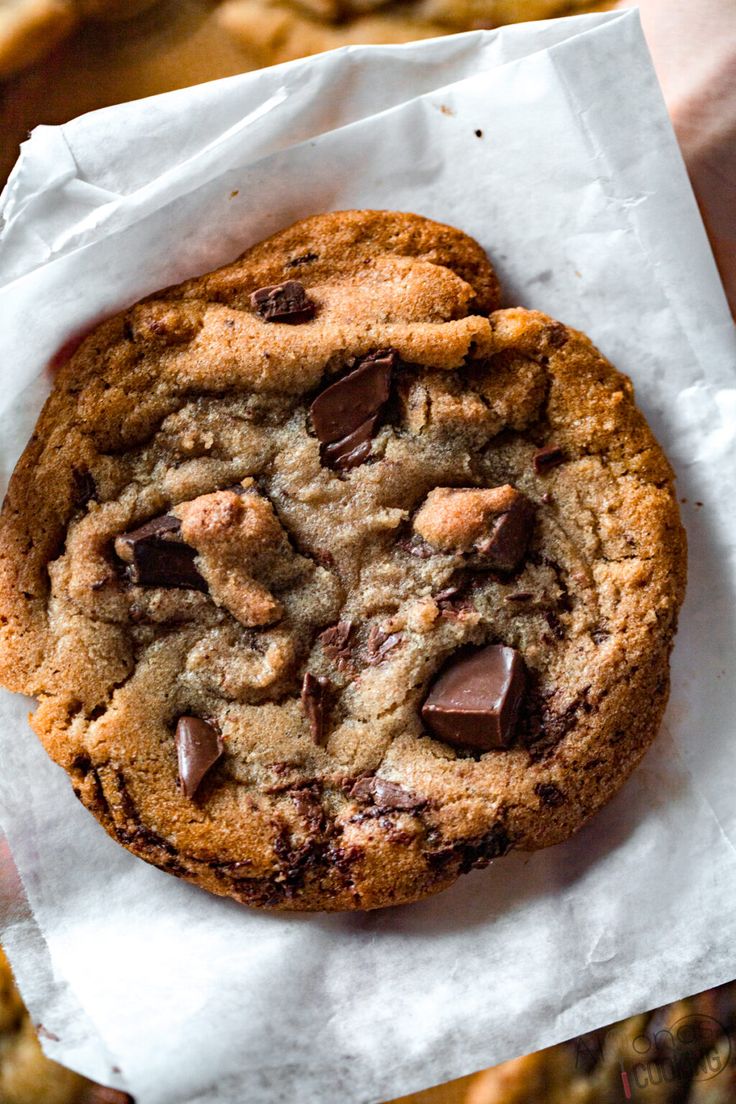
(683, 1053)
(27, 1076)
(29, 29)
(61, 58)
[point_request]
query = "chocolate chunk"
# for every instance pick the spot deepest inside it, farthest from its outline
(472, 854)
(555, 335)
(345, 414)
(547, 459)
(505, 547)
(385, 794)
(315, 689)
(380, 643)
(198, 746)
(549, 794)
(452, 602)
(558, 629)
(335, 642)
(156, 555)
(352, 450)
(287, 302)
(475, 702)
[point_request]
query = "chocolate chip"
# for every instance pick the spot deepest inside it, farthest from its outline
(549, 794)
(85, 489)
(198, 747)
(315, 689)
(520, 596)
(385, 794)
(380, 643)
(287, 302)
(505, 547)
(547, 459)
(475, 702)
(156, 555)
(345, 414)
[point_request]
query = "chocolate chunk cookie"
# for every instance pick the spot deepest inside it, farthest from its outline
(681, 1053)
(333, 580)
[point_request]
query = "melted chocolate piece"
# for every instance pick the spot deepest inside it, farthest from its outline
(287, 302)
(505, 547)
(345, 414)
(156, 555)
(385, 794)
(198, 747)
(314, 694)
(353, 450)
(475, 702)
(547, 459)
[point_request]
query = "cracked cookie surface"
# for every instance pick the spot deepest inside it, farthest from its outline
(253, 532)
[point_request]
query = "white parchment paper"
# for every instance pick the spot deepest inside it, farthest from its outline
(576, 188)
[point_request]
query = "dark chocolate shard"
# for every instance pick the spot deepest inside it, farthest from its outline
(287, 302)
(336, 643)
(506, 545)
(315, 689)
(548, 458)
(453, 602)
(472, 854)
(155, 555)
(385, 794)
(350, 451)
(475, 702)
(198, 747)
(345, 414)
(380, 644)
